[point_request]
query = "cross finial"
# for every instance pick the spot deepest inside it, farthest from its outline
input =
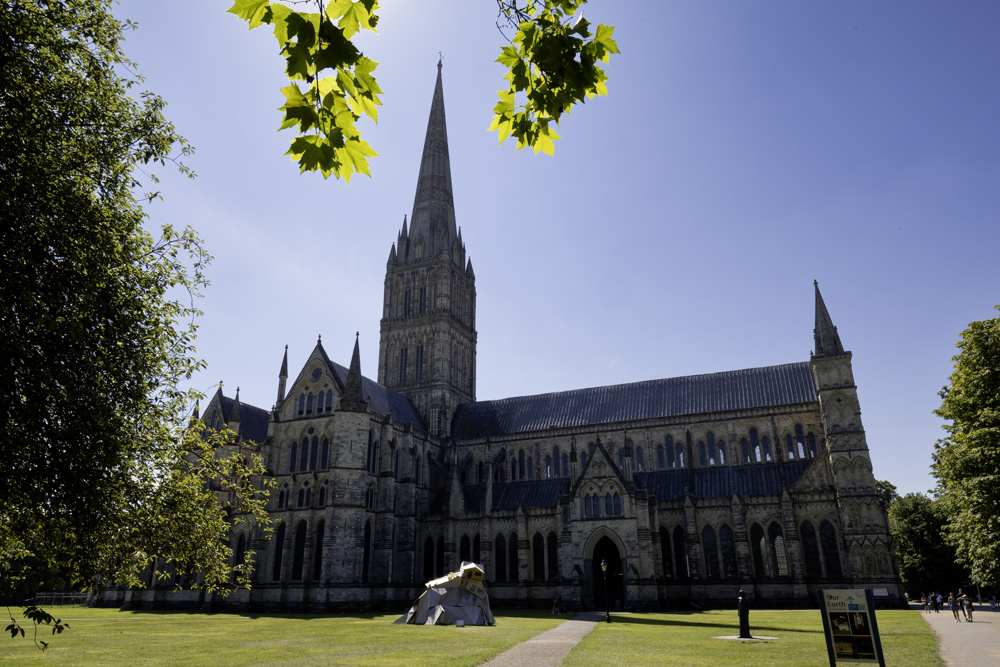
(440, 58)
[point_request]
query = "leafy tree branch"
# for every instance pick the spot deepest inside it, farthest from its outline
(553, 62)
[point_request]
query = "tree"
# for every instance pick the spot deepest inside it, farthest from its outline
(886, 492)
(967, 462)
(101, 476)
(926, 560)
(553, 62)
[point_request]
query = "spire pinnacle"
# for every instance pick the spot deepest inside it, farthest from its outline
(825, 334)
(432, 223)
(283, 373)
(353, 399)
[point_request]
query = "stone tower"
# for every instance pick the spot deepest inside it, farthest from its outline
(427, 346)
(863, 520)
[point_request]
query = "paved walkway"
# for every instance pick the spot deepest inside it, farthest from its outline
(550, 647)
(975, 644)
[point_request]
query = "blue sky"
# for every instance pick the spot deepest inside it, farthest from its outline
(744, 150)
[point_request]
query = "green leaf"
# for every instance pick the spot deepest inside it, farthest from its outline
(252, 11)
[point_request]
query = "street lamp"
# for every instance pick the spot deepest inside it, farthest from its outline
(604, 572)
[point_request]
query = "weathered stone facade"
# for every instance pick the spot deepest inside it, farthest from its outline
(688, 489)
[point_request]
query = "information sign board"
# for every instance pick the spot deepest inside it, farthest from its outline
(850, 626)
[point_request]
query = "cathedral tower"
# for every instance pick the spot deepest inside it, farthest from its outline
(427, 345)
(864, 521)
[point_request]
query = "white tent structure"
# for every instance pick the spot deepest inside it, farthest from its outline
(456, 598)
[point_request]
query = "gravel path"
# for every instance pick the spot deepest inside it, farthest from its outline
(975, 644)
(550, 647)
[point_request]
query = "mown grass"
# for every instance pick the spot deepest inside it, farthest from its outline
(690, 639)
(111, 637)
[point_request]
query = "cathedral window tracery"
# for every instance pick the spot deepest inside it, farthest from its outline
(278, 546)
(710, 549)
(776, 539)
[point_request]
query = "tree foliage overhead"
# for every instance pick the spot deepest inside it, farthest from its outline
(967, 462)
(553, 62)
(926, 560)
(100, 475)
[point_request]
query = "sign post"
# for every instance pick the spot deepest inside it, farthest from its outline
(850, 627)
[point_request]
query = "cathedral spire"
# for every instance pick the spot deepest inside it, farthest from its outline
(432, 223)
(826, 336)
(353, 399)
(283, 376)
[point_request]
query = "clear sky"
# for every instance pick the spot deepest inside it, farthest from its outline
(744, 150)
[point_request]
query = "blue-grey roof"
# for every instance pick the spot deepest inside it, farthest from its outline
(541, 493)
(749, 480)
(384, 401)
(253, 420)
(696, 394)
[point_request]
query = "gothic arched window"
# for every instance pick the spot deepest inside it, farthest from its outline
(711, 549)
(810, 549)
(765, 444)
(292, 457)
(278, 549)
(239, 555)
(710, 446)
(669, 447)
(776, 538)
(661, 461)
(298, 551)
(702, 459)
(668, 569)
(745, 450)
(758, 455)
(831, 553)
(515, 573)
(500, 559)
(313, 452)
(727, 545)
(465, 549)
(553, 545)
(789, 447)
(318, 550)
(538, 557)
(639, 464)
(555, 461)
(680, 554)
(758, 546)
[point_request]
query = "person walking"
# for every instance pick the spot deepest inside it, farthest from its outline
(923, 602)
(953, 604)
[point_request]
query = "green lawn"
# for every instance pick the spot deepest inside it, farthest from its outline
(110, 637)
(689, 639)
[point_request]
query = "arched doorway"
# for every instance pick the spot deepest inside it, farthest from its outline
(607, 551)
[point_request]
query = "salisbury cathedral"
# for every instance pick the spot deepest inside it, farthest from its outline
(687, 489)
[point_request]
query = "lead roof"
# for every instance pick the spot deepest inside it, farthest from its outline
(768, 386)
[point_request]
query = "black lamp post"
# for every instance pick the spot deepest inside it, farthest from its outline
(604, 572)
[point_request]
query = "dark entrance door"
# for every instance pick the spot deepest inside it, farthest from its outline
(605, 550)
